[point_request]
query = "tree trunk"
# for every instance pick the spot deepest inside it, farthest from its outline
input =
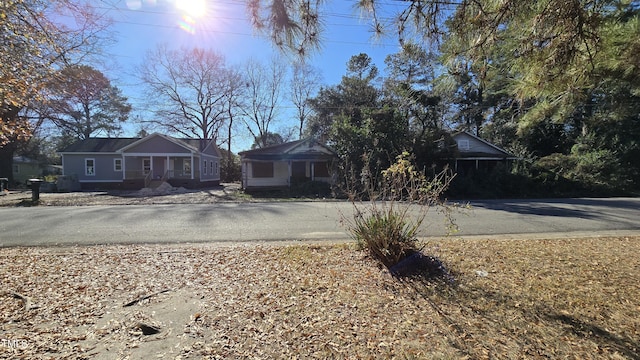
(6, 161)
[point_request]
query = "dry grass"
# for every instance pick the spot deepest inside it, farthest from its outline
(569, 298)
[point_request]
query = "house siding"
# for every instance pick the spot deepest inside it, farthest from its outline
(25, 171)
(133, 163)
(476, 146)
(211, 150)
(74, 164)
(211, 153)
(157, 145)
(212, 172)
(279, 179)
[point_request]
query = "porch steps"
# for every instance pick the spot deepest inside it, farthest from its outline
(154, 184)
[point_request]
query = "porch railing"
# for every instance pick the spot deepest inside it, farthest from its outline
(180, 174)
(147, 179)
(169, 174)
(134, 174)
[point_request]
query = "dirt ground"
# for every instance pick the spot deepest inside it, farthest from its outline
(164, 195)
(495, 299)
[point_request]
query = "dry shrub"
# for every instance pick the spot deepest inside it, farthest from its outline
(385, 233)
(388, 223)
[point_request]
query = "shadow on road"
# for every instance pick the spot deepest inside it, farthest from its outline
(574, 208)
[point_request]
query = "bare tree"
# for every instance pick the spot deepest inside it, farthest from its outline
(262, 98)
(189, 89)
(236, 90)
(305, 82)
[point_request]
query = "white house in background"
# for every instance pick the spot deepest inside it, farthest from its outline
(133, 163)
(475, 154)
(281, 165)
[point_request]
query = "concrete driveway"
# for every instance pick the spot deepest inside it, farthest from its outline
(321, 221)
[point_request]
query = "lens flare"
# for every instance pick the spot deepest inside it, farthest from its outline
(192, 8)
(187, 24)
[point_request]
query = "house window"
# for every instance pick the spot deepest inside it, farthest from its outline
(262, 169)
(16, 169)
(90, 167)
(216, 168)
(463, 144)
(186, 167)
(204, 167)
(117, 164)
(146, 166)
(321, 169)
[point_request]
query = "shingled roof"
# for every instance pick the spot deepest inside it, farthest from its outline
(272, 149)
(111, 145)
(104, 145)
(285, 151)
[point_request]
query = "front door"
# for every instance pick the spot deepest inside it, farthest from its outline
(146, 166)
(158, 167)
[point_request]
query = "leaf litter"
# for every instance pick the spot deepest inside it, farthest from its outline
(562, 298)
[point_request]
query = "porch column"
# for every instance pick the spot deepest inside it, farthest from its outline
(192, 166)
(245, 173)
(313, 170)
(166, 168)
(289, 171)
(124, 166)
(477, 164)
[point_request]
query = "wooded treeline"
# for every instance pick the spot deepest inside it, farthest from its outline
(554, 82)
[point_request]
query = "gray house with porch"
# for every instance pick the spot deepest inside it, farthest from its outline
(474, 154)
(134, 163)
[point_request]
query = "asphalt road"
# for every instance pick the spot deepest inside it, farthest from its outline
(286, 221)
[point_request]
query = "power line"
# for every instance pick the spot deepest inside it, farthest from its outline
(206, 30)
(159, 12)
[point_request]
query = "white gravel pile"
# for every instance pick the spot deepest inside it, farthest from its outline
(163, 189)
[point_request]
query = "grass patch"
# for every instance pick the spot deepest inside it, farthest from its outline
(568, 298)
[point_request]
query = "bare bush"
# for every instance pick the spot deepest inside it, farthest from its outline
(389, 215)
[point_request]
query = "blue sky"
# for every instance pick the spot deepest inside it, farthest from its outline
(223, 26)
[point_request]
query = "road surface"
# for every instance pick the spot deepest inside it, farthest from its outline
(286, 221)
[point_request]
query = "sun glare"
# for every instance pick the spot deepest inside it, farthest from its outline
(192, 8)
